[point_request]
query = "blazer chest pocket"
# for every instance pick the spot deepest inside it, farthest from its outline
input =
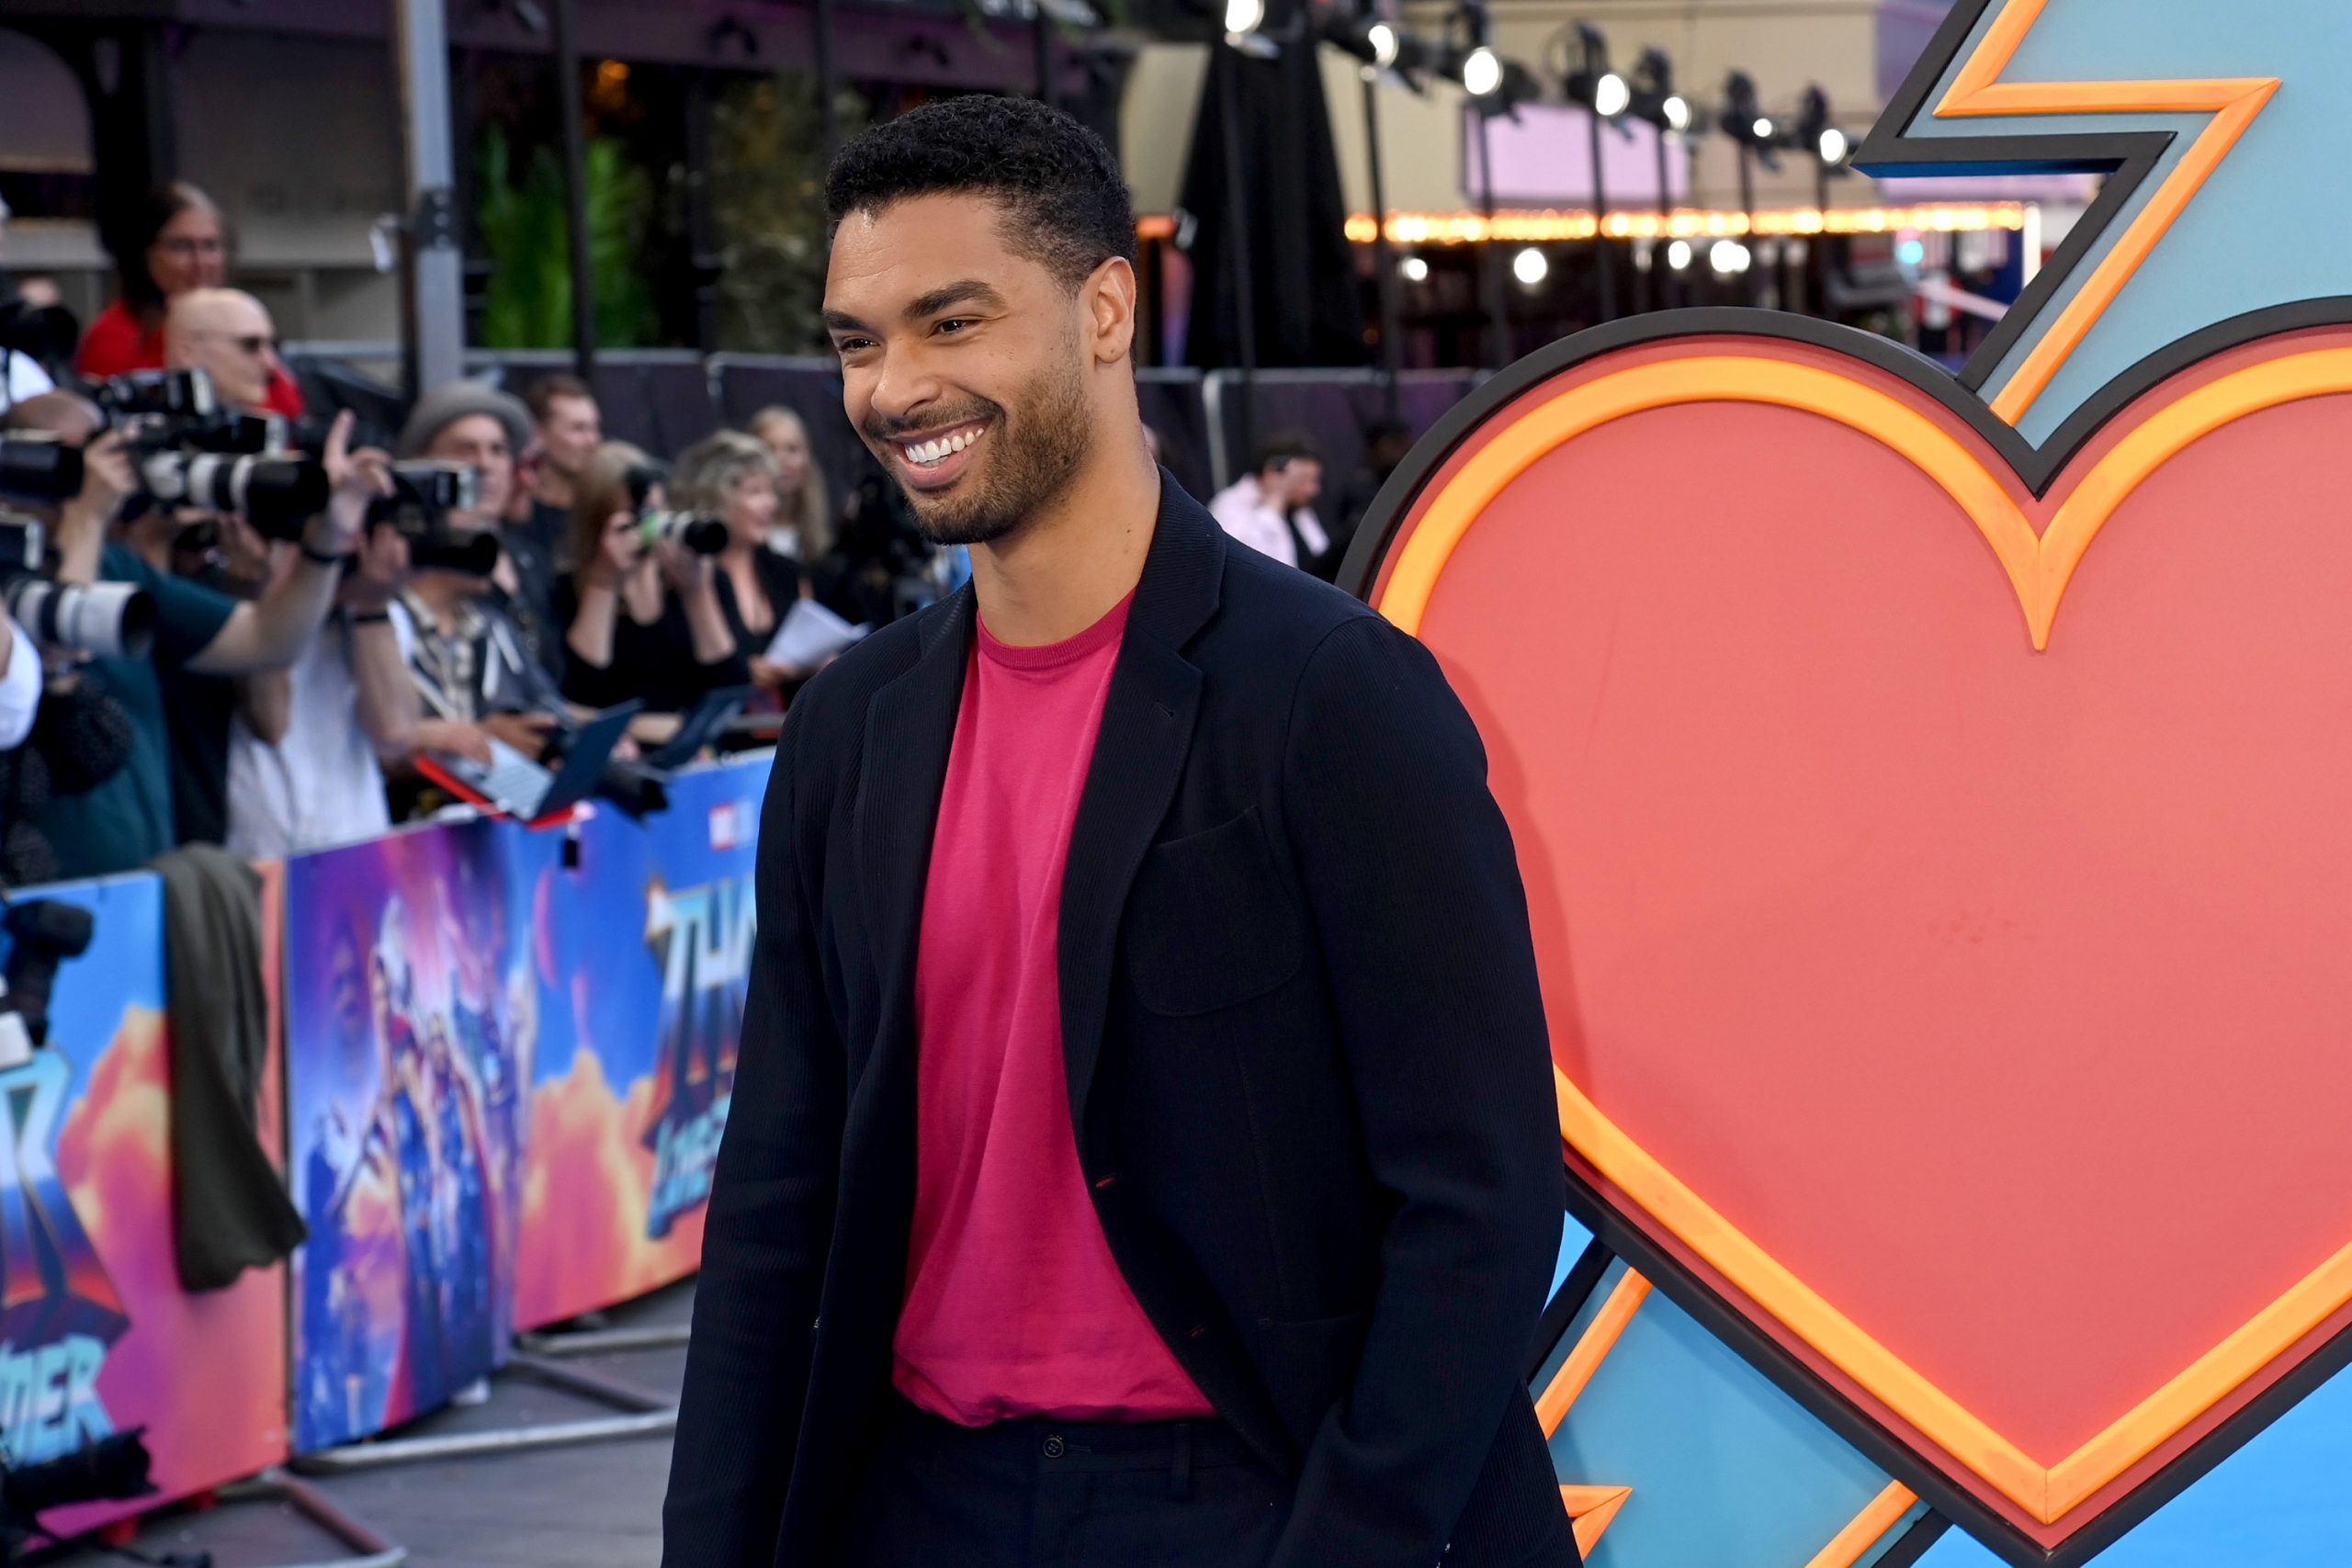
(1211, 921)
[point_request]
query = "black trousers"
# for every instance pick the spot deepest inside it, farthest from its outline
(1065, 1494)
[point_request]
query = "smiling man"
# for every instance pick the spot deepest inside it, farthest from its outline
(1142, 1145)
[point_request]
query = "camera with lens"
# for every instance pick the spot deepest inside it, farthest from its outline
(425, 493)
(103, 619)
(38, 468)
(702, 534)
(189, 451)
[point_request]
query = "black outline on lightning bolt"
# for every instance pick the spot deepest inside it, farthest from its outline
(2128, 159)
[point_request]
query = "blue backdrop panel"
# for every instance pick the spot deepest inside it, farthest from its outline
(1725, 1469)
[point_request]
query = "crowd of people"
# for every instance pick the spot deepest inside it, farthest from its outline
(300, 686)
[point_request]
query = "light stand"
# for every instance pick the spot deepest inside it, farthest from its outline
(1378, 48)
(1490, 259)
(1656, 102)
(1605, 96)
(1745, 122)
(1392, 344)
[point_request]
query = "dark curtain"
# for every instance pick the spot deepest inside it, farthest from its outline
(1307, 302)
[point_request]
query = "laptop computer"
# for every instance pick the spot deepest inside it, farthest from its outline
(516, 786)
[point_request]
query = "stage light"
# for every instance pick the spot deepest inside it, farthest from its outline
(1654, 99)
(1745, 122)
(1912, 253)
(1415, 269)
(1588, 79)
(1677, 255)
(1817, 132)
(1530, 267)
(1243, 17)
(1481, 72)
(1376, 43)
(1729, 257)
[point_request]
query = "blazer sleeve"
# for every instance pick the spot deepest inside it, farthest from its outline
(1414, 891)
(769, 1223)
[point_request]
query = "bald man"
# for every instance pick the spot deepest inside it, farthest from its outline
(227, 333)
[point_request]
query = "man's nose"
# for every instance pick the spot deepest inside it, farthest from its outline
(903, 386)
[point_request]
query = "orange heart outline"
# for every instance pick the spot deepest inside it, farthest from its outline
(2039, 566)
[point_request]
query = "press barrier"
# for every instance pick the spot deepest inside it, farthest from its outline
(501, 1060)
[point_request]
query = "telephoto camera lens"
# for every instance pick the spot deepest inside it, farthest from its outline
(277, 494)
(39, 468)
(704, 535)
(106, 620)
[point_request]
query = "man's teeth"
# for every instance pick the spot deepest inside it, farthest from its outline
(928, 453)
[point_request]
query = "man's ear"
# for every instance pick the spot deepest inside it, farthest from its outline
(1110, 295)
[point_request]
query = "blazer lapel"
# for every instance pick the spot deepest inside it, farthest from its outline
(910, 731)
(1146, 731)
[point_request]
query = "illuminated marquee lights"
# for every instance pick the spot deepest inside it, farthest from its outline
(1536, 227)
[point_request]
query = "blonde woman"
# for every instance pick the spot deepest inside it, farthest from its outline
(804, 523)
(734, 477)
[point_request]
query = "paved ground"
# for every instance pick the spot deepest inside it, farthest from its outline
(597, 1505)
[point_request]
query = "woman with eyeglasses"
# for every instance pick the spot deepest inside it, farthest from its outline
(180, 244)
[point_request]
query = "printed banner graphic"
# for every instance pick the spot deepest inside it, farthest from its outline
(412, 1019)
(95, 1335)
(645, 948)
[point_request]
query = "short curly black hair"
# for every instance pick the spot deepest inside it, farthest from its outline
(1065, 204)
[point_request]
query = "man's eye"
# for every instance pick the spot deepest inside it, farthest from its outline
(954, 323)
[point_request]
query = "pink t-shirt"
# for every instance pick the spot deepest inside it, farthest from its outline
(1015, 1306)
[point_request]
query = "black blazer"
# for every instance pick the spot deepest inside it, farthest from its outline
(1306, 1057)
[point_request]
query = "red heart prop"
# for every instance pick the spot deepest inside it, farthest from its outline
(1999, 1000)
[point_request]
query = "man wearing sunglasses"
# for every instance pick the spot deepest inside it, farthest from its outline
(226, 332)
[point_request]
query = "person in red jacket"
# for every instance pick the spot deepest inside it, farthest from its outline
(181, 245)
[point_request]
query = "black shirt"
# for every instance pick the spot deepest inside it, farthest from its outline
(654, 663)
(780, 581)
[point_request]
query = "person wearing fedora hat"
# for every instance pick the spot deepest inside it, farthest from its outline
(487, 656)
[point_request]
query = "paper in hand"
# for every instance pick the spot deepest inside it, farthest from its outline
(810, 635)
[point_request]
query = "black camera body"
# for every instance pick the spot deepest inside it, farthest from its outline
(189, 451)
(38, 469)
(425, 493)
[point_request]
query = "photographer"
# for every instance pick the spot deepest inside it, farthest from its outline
(471, 661)
(642, 605)
(734, 477)
(486, 430)
(228, 334)
(352, 708)
(128, 820)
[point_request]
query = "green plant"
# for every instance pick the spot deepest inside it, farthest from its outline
(767, 198)
(527, 303)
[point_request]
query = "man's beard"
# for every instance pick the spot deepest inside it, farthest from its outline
(1038, 449)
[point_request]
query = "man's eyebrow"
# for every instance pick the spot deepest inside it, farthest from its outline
(963, 291)
(843, 322)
